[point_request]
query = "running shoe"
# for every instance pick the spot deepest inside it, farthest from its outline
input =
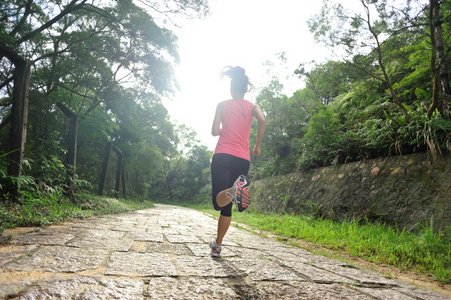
(241, 193)
(215, 249)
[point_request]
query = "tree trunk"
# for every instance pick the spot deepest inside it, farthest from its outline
(118, 172)
(444, 80)
(19, 116)
(433, 17)
(71, 159)
(124, 190)
(106, 160)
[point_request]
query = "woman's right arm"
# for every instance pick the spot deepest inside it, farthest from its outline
(216, 127)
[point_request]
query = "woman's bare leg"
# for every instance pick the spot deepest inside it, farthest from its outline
(222, 199)
(223, 226)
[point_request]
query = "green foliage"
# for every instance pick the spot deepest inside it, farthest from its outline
(111, 63)
(53, 173)
(47, 208)
(433, 134)
(328, 80)
(323, 138)
(185, 171)
(376, 95)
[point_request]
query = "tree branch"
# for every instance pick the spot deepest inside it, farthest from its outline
(23, 19)
(77, 93)
(6, 82)
(5, 121)
(364, 70)
(69, 8)
(10, 54)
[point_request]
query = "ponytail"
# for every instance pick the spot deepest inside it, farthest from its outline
(240, 81)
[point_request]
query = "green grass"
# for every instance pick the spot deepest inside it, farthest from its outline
(425, 251)
(45, 209)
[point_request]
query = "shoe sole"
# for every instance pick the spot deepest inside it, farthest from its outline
(214, 254)
(243, 199)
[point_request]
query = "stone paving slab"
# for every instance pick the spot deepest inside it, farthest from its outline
(9, 254)
(199, 250)
(301, 290)
(58, 259)
(176, 249)
(140, 264)
(366, 277)
(205, 267)
(417, 293)
(46, 237)
(83, 288)
(102, 239)
(263, 270)
(163, 253)
(318, 275)
(145, 236)
(189, 288)
(178, 238)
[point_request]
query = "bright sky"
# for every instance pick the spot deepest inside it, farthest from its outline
(239, 32)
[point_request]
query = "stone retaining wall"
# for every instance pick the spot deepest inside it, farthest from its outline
(404, 190)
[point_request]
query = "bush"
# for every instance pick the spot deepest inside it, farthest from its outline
(323, 139)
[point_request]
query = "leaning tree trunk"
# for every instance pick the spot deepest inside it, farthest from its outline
(19, 111)
(378, 48)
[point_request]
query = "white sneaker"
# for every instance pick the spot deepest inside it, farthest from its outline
(215, 249)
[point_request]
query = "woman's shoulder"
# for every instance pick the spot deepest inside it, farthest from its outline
(236, 103)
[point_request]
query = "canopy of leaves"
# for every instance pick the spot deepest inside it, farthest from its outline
(111, 63)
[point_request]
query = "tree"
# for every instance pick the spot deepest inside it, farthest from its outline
(87, 48)
(362, 38)
(327, 80)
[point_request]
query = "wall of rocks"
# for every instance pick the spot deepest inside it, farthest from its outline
(407, 191)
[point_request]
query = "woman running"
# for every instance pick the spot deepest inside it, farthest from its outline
(231, 158)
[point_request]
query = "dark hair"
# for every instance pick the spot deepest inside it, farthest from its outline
(240, 81)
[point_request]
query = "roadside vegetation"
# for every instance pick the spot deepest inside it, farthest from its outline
(48, 208)
(44, 211)
(425, 252)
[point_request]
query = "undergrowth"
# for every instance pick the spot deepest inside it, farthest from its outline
(36, 209)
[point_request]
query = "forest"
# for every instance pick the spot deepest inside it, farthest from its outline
(385, 91)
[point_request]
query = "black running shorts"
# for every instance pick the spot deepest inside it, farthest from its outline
(225, 169)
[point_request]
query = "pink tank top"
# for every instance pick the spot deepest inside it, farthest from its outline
(236, 126)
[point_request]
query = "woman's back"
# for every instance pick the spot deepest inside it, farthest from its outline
(236, 125)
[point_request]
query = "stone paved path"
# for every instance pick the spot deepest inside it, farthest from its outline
(162, 253)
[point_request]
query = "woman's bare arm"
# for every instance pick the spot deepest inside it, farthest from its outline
(216, 127)
(261, 126)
